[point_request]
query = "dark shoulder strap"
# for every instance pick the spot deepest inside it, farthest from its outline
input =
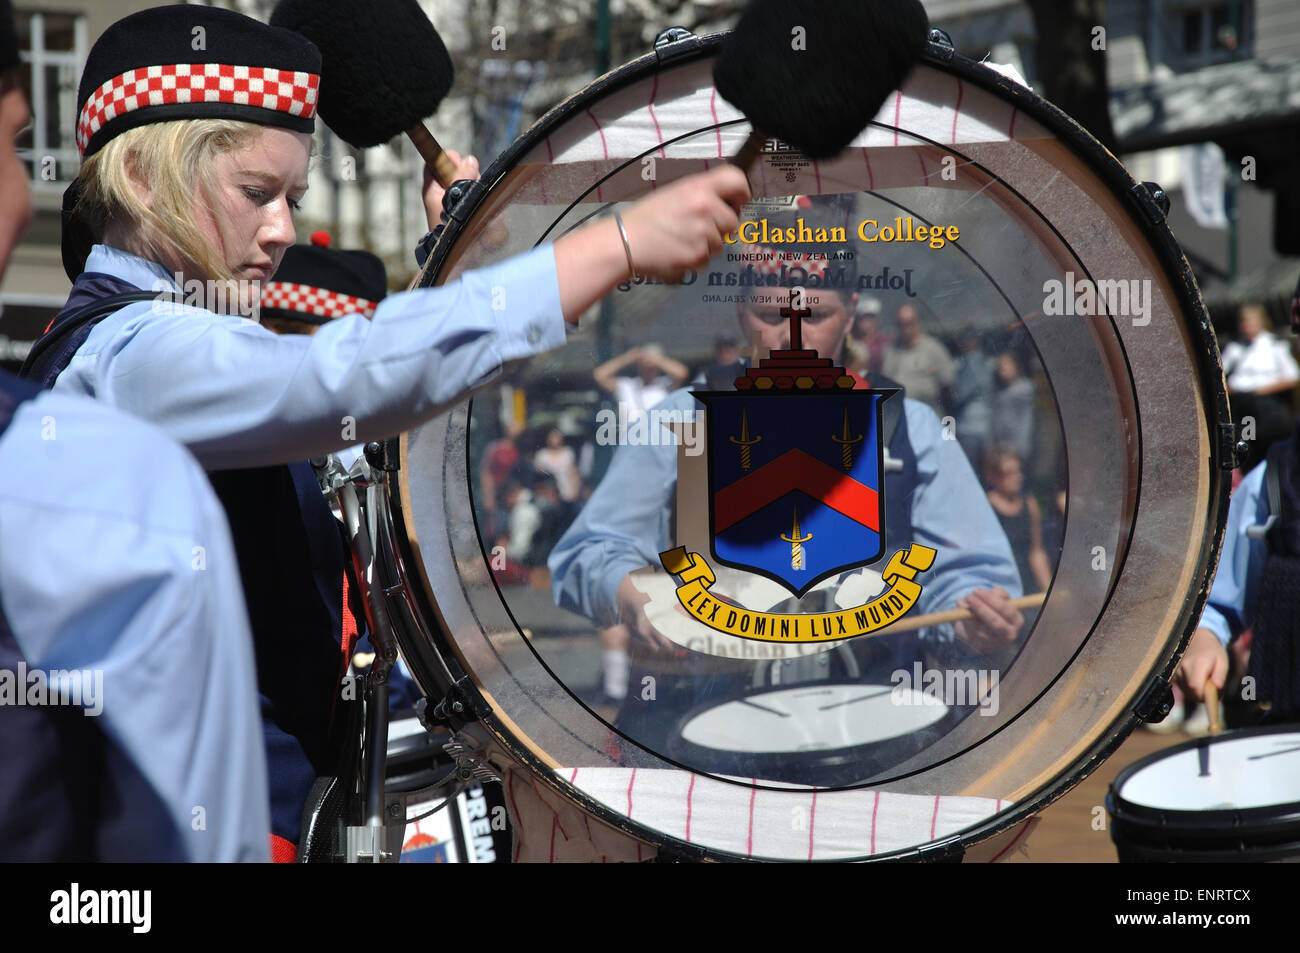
(1279, 487)
(52, 353)
(1273, 472)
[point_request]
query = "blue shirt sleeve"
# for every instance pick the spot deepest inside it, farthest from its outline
(623, 526)
(1231, 606)
(238, 395)
(952, 515)
(117, 561)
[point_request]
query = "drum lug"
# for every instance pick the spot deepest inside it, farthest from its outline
(383, 455)
(1155, 703)
(453, 711)
(1231, 448)
(941, 45)
(674, 42)
(462, 198)
(1153, 199)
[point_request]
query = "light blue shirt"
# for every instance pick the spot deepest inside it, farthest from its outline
(1230, 609)
(625, 524)
(115, 557)
(238, 395)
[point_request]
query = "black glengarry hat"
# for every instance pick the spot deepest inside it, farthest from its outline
(315, 284)
(186, 62)
(192, 62)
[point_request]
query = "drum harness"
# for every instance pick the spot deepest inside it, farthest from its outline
(361, 496)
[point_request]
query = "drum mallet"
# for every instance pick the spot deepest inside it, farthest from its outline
(384, 68)
(814, 73)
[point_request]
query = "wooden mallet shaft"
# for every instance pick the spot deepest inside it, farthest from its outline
(444, 170)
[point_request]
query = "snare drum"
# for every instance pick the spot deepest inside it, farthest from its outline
(1229, 797)
(838, 732)
(1029, 211)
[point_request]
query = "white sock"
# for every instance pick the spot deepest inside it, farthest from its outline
(614, 666)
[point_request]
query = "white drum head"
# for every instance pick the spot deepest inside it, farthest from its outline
(1225, 773)
(813, 718)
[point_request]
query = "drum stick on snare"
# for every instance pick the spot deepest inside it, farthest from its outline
(384, 69)
(813, 73)
(1211, 694)
(908, 623)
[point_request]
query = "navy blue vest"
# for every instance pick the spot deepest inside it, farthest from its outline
(67, 793)
(1275, 647)
(292, 557)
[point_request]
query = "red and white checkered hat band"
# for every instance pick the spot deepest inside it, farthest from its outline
(308, 300)
(293, 93)
(774, 259)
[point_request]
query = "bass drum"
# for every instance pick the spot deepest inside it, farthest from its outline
(1051, 346)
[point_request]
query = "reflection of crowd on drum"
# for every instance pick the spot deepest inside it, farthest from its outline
(982, 381)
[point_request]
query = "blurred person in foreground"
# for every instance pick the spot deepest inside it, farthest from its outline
(129, 728)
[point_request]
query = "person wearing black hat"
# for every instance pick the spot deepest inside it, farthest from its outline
(316, 283)
(129, 727)
(193, 161)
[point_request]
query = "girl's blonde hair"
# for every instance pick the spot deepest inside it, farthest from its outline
(176, 159)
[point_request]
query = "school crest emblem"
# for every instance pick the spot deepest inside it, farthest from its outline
(796, 493)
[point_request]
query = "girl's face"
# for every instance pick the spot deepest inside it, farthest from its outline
(256, 189)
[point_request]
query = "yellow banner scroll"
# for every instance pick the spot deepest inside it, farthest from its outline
(896, 601)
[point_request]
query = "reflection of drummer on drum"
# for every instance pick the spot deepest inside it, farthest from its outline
(931, 497)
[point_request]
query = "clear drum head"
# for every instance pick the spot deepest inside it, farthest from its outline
(965, 356)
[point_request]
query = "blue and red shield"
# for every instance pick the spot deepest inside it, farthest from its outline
(795, 487)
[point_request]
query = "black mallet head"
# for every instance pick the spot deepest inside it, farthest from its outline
(383, 67)
(815, 72)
